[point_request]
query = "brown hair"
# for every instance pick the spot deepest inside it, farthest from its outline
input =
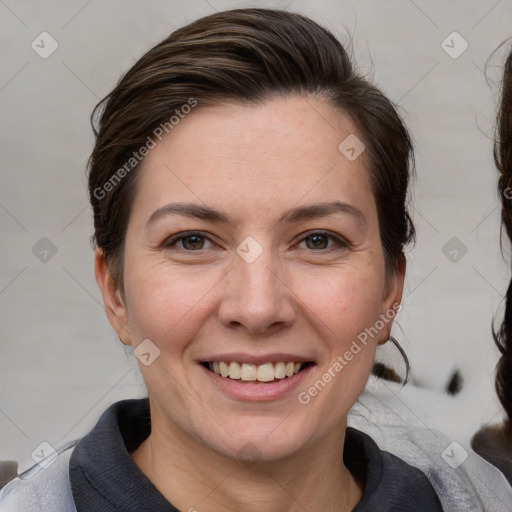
(246, 55)
(503, 159)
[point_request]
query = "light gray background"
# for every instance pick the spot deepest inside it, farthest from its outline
(61, 364)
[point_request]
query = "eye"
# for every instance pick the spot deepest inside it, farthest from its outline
(190, 241)
(319, 240)
(194, 241)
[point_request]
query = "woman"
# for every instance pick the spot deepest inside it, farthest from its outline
(495, 443)
(249, 198)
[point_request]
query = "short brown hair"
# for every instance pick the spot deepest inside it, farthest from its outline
(246, 55)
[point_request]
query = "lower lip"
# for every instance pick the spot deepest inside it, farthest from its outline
(253, 391)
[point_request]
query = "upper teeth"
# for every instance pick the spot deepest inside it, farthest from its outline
(260, 372)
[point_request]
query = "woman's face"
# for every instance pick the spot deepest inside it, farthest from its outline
(287, 267)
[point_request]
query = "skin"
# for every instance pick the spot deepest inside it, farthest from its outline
(199, 298)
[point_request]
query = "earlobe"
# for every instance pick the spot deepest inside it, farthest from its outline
(392, 298)
(395, 285)
(115, 307)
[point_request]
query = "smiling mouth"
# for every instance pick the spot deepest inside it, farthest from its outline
(260, 373)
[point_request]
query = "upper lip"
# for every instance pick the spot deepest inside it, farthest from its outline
(240, 357)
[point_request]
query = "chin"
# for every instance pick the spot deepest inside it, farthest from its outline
(261, 442)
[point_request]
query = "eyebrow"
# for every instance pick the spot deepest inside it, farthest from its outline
(297, 214)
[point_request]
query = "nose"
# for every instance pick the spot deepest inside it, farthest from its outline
(256, 296)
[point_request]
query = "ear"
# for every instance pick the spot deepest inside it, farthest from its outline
(112, 298)
(392, 297)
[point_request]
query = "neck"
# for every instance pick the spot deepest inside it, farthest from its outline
(194, 478)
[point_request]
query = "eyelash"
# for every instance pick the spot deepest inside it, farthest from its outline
(340, 241)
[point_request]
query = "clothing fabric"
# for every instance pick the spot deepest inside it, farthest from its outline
(104, 477)
(99, 467)
(396, 417)
(41, 488)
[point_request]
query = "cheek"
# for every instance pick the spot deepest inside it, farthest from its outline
(345, 311)
(345, 302)
(164, 304)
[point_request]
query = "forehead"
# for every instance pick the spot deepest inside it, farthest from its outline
(275, 152)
